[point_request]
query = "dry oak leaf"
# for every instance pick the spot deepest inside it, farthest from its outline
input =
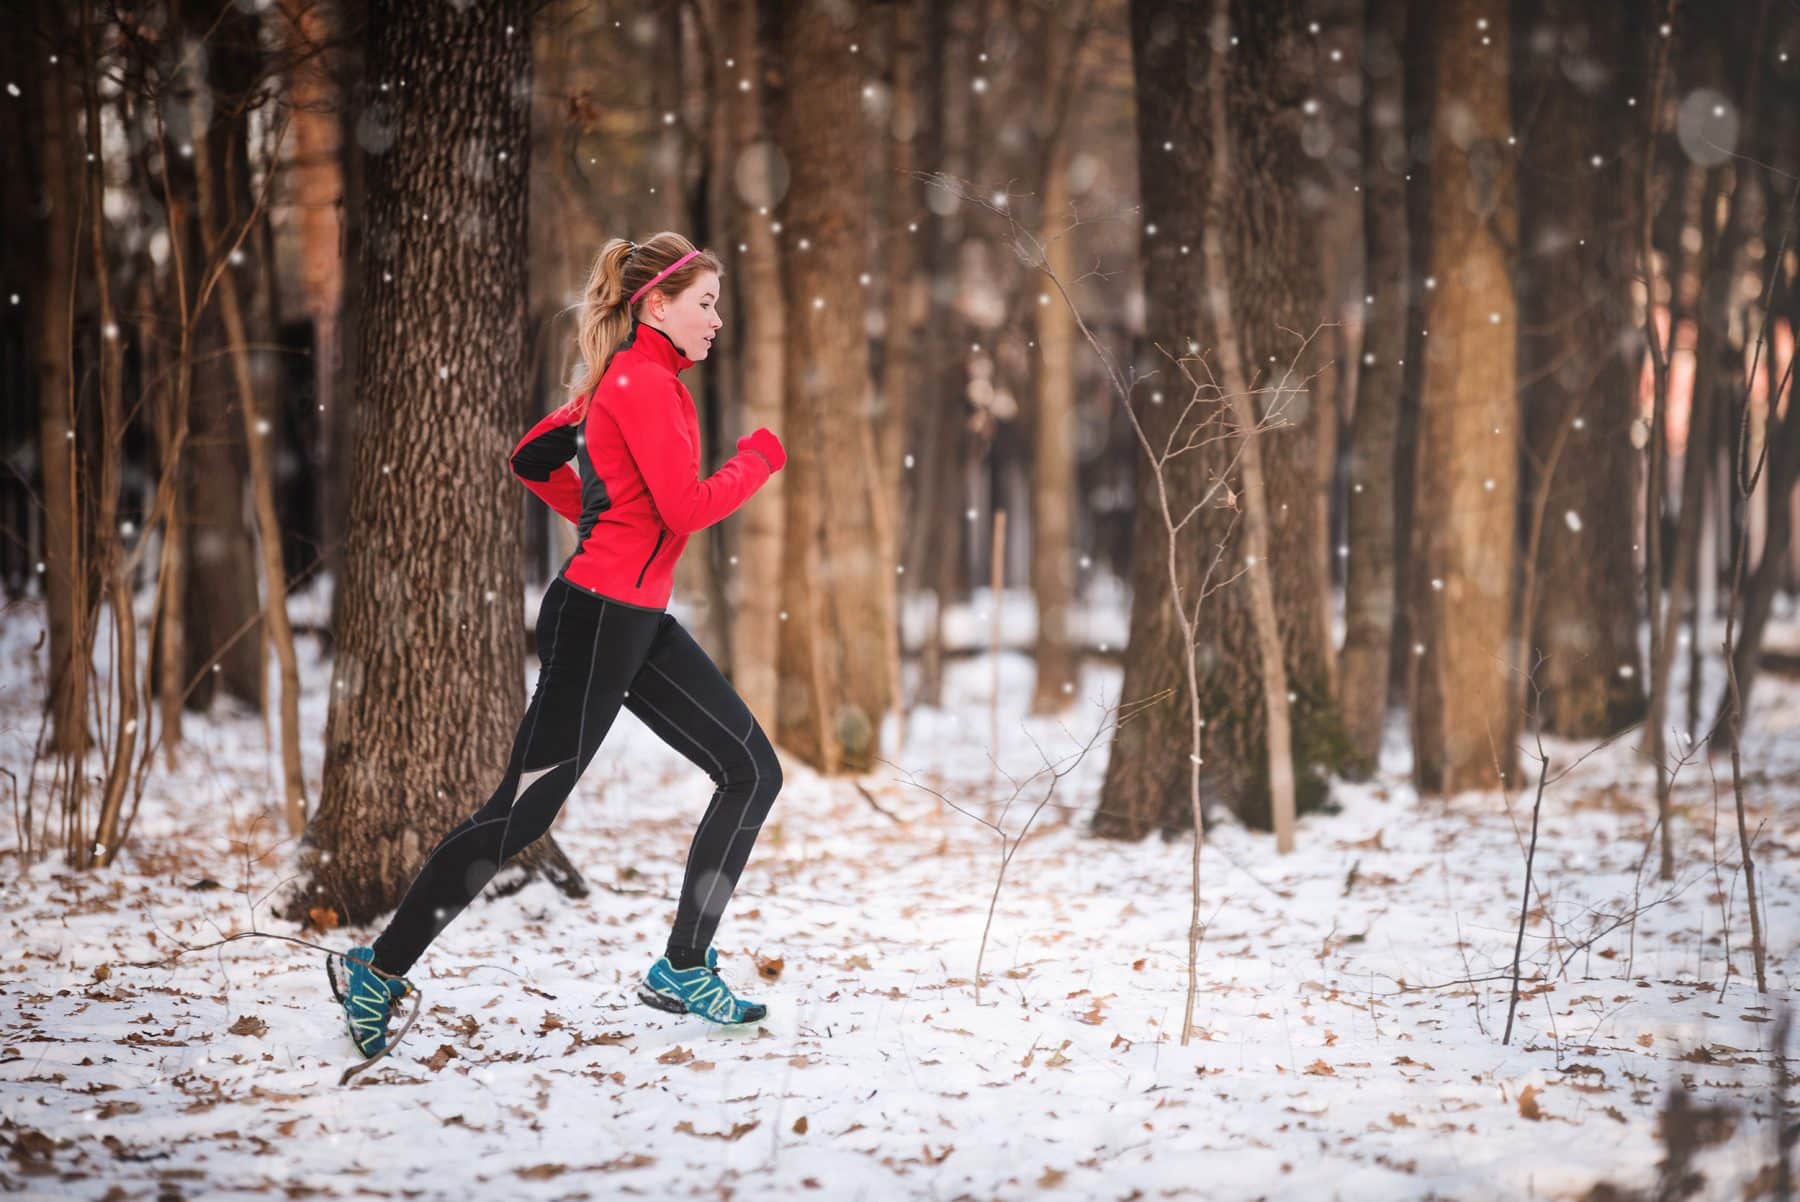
(675, 1055)
(438, 1059)
(737, 1130)
(249, 1024)
(768, 967)
(322, 918)
(543, 1172)
(1051, 1178)
(1528, 1105)
(1319, 1068)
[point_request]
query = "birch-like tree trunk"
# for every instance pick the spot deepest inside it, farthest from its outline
(1464, 519)
(835, 687)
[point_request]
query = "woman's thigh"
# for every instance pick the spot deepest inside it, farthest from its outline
(682, 695)
(590, 648)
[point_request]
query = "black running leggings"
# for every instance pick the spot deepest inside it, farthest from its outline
(597, 655)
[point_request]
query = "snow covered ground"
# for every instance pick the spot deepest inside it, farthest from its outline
(1334, 1057)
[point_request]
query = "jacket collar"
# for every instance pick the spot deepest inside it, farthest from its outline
(657, 346)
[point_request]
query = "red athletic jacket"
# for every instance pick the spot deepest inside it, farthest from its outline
(638, 494)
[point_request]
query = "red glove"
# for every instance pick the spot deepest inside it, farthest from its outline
(763, 441)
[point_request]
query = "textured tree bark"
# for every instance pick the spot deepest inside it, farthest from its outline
(904, 307)
(68, 587)
(220, 616)
(758, 179)
(1053, 458)
(342, 428)
(1464, 523)
(1145, 781)
(1420, 87)
(1578, 363)
(426, 689)
(1057, 660)
(318, 182)
(835, 687)
(1272, 265)
(936, 552)
(1370, 600)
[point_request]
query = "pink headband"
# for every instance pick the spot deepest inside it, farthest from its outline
(659, 275)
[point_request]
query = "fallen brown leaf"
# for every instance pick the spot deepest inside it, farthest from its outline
(737, 1130)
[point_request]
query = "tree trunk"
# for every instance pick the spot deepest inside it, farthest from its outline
(1464, 523)
(426, 688)
(223, 632)
(1270, 264)
(123, 739)
(66, 575)
(835, 687)
(936, 532)
(757, 185)
(1578, 361)
(318, 183)
(1370, 599)
(1144, 780)
(1420, 87)
(342, 426)
(1053, 486)
(1057, 662)
(904, 306)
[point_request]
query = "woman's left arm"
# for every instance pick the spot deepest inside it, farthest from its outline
(541, 461)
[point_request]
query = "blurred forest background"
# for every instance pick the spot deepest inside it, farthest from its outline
(1390, 360)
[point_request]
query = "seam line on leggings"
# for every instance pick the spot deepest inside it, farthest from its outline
(523, 756)
(755, 788)
(538, 712)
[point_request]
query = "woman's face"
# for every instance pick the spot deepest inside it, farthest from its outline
(691, 319)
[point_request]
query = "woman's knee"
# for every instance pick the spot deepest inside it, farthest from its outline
(766, 771)
(754, 771)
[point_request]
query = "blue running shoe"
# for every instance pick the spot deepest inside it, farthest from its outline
(367, 997)
(698, 991)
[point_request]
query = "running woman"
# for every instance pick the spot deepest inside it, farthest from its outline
(606, 638)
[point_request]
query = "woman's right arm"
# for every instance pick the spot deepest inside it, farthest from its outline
(655, 432)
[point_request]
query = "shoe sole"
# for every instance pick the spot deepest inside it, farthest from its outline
(674, 1005)
(331, 975)
(650, 997)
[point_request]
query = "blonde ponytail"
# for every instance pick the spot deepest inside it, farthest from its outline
(621, 268)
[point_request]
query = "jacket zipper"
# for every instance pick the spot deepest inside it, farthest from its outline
(659, 542)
